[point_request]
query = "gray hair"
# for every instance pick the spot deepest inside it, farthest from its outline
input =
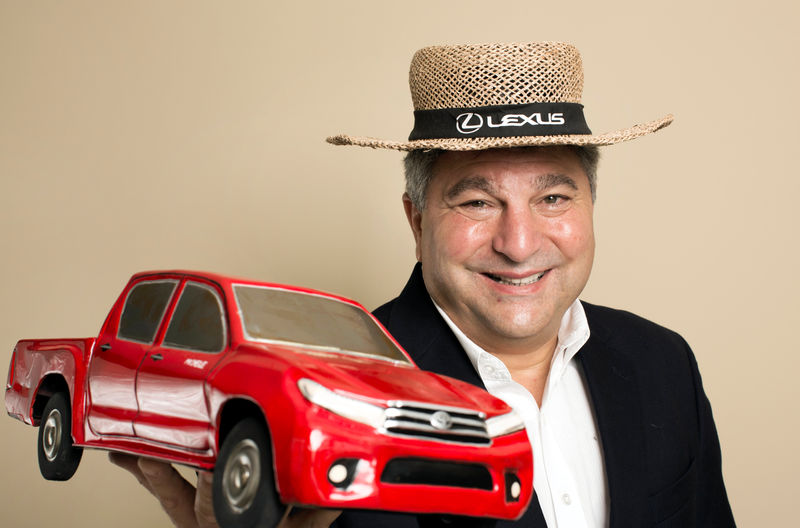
(419, 164)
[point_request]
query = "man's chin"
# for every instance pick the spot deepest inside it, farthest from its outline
(519, 328)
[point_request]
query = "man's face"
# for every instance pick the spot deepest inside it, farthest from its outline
(506, 242)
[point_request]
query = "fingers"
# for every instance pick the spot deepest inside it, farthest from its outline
(190, 508)
(185, 506)
(175, 494)
(308, 518)
(131, 464)
(203, 505)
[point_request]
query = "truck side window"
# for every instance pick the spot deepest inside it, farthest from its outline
(197, 322)
(144, 309)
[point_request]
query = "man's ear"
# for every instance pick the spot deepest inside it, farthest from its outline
(414, 217)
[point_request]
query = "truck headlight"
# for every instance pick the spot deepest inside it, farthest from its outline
(504, 424)
(350, 408)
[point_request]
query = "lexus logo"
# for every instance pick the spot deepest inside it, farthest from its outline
(441, 420)
(468, 123)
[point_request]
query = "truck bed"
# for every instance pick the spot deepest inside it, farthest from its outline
(38, 367)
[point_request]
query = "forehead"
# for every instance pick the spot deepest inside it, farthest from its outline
(536, 162)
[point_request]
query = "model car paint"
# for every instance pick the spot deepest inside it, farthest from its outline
(291, 396)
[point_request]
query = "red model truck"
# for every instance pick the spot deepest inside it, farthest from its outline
(289, 395)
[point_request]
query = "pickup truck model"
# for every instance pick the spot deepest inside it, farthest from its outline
(290, 396)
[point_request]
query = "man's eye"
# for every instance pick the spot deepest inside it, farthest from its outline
(554, 199)
(475, 204)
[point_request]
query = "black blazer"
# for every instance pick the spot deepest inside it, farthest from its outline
(660, 446)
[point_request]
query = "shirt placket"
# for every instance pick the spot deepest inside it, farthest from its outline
(567, 505)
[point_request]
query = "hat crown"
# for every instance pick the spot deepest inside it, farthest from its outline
(470, 76)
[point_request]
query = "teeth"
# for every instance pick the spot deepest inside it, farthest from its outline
(516, 282)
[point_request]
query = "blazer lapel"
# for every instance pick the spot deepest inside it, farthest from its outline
(616, 397)
(417, 325)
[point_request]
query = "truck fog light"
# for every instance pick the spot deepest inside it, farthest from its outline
(342, 472)
(513, 488)
(337, 474)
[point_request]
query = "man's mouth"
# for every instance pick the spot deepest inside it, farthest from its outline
(524, 281)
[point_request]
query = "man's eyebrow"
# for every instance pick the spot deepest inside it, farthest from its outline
(472, 182)
(550, 180)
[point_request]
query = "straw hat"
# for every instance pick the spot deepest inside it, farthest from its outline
(475, 97)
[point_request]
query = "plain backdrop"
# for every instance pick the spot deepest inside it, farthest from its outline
(151, 134)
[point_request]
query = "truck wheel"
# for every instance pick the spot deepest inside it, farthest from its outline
(243, 488)
(58, 458)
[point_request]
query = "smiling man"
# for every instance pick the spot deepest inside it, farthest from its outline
(500, 189)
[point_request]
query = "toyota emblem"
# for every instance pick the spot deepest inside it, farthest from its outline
(441, 420)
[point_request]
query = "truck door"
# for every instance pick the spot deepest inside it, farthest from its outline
(119, 350)
(170, 384)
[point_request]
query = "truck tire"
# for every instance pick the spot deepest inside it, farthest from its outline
(243, 487)
(58, 457)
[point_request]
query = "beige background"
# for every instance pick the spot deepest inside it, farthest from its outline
(140, 135)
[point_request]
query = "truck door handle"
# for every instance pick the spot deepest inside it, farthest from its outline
(156, 357)
(105, 346)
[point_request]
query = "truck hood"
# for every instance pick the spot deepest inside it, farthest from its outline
(380, 381)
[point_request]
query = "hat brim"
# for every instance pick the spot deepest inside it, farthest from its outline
(609, 138)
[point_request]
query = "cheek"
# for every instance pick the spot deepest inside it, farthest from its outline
(575, 236)
(455, 238)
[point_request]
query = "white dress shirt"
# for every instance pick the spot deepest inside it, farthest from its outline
(568, 471)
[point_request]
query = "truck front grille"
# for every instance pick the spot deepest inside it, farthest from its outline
(447, 424)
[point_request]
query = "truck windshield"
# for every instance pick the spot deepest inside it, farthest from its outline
(277, 315)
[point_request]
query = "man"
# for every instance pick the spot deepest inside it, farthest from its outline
(501, 176)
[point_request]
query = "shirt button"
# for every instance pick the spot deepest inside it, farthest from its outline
(566, 499)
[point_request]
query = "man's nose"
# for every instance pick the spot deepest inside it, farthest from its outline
(518, 234)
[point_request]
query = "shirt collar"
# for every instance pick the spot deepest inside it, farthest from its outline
(573, 333)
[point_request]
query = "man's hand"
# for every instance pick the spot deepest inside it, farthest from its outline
(190, 507)
(186, 506)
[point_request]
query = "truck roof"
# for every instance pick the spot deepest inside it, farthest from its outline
(227, 281)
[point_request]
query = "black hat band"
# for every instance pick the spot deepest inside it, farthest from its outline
(535, 119)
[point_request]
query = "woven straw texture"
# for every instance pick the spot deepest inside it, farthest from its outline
(495, 74)
(469, 76)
